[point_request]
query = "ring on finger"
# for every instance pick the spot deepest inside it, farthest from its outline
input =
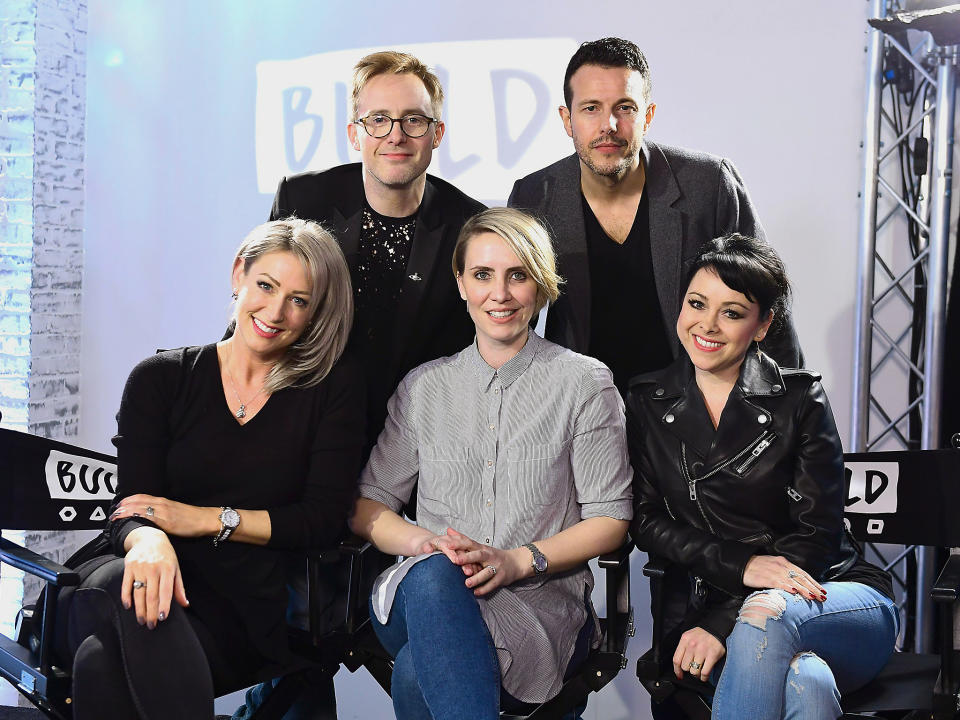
(150, 511)
(695, 666)
(492, 569)
(139, 584)
(792, 574)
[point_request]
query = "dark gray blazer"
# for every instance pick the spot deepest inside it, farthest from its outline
(693, 197)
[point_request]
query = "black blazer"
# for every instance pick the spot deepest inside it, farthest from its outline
(693, 197)
(431, 320)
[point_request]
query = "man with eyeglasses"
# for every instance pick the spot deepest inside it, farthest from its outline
(397, 227)
(625, 213)
(396, 224)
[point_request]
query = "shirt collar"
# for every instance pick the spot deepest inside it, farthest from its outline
(510, 370)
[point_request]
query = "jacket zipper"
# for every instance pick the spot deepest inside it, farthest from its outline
(692, 485)
(692, 481)
(765, 441)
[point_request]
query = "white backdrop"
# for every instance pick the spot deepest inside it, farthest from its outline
(181, 140)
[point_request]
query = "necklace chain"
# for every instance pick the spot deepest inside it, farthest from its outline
(242, 412)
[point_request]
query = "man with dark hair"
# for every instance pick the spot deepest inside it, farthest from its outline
(625, 213)
(397, 227)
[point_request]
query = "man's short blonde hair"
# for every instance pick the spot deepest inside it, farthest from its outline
(395, 63)
(528, 239)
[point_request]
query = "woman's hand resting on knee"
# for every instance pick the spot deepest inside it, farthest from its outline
(697, 652)
(765, 572)
(151, 576)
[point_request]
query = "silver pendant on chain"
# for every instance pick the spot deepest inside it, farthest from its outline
(242, 412)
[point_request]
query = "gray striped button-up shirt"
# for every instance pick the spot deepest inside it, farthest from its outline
(508, 457)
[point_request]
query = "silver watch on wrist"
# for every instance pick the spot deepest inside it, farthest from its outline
(539, 562)
(229, 519)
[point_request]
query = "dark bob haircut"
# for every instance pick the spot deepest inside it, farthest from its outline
(749, 266)
(609, 52)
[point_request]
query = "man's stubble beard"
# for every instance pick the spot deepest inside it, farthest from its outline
(617, 171)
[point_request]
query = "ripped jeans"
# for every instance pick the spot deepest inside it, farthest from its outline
(790, 658)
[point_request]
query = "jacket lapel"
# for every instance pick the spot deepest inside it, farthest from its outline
(681, 409)
(570, 236)
(422, 266)
(666, 233)
(744, 417)
(346, 216)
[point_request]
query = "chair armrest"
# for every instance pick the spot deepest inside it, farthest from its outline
(35, 564)
(947, 586)
(355, 545)
(615, 559)
(655, 568)
(619, 625)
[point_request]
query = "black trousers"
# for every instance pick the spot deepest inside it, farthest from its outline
(122, 669)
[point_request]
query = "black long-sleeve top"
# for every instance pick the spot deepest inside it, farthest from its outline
(298, 458)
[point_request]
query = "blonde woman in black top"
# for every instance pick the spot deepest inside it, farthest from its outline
(229, 455)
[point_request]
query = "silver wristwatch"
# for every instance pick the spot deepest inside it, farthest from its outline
(539, 562)
(229, 519)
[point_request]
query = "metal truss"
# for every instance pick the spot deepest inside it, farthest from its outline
(901, 293)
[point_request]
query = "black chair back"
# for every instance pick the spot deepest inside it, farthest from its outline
(78, 486)
(904, 498)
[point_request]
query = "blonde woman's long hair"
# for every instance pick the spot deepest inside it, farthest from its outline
(308, 360)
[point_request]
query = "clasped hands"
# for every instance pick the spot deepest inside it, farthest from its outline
(486, 567)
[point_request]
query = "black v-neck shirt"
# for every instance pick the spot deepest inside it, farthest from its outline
(298, 458)
(626, 323)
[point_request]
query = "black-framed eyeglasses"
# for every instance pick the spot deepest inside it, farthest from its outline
(379, 125)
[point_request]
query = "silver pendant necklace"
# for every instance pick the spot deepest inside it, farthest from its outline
(242, 412)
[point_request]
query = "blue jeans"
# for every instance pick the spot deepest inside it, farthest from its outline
(445, 666)
(790, 658)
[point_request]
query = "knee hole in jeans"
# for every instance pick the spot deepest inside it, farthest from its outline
(760, 607)
(793, 682)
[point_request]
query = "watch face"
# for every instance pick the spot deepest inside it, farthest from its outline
(540, 563)
(230, 517)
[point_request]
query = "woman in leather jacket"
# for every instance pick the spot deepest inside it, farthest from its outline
(738, 480)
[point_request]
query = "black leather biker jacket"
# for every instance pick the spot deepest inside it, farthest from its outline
(768, 480)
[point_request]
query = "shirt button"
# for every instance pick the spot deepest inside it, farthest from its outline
(761, 419)
(496, 391)
(489, 503)
(493, 427)
(658, 392)
(776, 388)
(669, 418)
(486, 540)
(489, 463)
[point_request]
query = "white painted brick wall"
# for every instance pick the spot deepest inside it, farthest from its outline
(42, 109)
(57, 261)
